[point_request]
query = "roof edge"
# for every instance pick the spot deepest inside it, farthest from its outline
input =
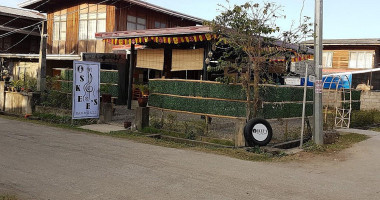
(140, 3)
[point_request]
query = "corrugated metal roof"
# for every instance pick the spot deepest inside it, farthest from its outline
(23, 13)
(365, 41)
(155, 32)
(33, 3)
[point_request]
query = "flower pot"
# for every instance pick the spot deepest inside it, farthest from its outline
(106, 98)
(143, 101)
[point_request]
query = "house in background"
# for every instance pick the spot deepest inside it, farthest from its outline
(71, 28)
(14, 40)
(359, 57)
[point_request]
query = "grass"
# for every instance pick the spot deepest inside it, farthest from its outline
(376, 129)
(343, 142)
(7, 197)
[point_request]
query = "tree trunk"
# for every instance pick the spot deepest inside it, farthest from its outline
(248, 93)
(256, 89)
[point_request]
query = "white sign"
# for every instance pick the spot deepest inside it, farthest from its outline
(260, 132)
(292, 81)
(86, 85)
(312, 78)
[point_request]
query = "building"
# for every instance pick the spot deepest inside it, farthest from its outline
(358, 57)
(345, 55)
(19, 34)
(71, 28)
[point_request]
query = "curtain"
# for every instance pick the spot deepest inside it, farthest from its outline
(187, 59)
(150, 59)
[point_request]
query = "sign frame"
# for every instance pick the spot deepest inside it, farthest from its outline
(86, 90)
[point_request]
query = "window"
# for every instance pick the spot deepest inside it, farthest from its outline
(327, 59)
(361, 59)
(92, 21)
(135, 23)
(59, 27)
(158, 24)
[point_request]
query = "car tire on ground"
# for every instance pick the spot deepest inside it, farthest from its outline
(258, 132)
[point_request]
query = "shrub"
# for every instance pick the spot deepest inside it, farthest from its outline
(363, 118)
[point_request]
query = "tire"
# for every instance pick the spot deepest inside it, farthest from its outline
(258, 132)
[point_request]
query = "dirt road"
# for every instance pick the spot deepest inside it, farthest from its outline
(39, 162)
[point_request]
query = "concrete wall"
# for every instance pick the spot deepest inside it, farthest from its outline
(332, 98)
(16, 102)
(2, 95)
(370, 100)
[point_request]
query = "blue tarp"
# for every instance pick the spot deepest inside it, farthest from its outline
(342, 80)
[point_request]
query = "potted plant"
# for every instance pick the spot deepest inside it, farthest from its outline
(105, 92)
(17, 84)
(143, 98)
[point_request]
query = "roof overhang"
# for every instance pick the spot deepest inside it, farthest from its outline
(182, 31)
(346, 42)
(21, 13)
(36, 56)
(30, 4)
(26, 32)
(189, 30)
(340, 72)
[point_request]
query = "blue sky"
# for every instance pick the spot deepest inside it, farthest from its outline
(343, 19)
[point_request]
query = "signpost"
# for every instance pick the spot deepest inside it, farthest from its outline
(86, 84)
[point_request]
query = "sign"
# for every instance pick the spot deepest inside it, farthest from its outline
(292, 81)
(260, 132)
(105, 57)
(312, 78)
(86, 85)
(318, 86)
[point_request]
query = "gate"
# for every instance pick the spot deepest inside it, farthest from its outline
(338, 100)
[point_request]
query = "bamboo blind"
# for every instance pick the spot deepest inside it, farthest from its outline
(188, 59)
(150, 59)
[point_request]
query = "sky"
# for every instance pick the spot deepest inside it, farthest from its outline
(343, 19)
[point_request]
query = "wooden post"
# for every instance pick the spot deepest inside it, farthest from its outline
(130, 79)
(41, 75)
(239, 133)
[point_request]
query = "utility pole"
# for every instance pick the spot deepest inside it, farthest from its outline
(41, 74)
(318, 84)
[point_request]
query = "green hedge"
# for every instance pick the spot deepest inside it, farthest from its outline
(105, 77)
(273, 95)
(198, 89)
(223, 91)
(227, 108)
(287, 110)
(68, 86)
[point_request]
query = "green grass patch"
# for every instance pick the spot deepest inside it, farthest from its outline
(343, 142)
(364, 118)
(218, 141)
(62, 119)
(7, 197)
(376, 129)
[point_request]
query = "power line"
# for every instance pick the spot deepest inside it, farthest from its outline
(16, 30)
(20, 40)
(21, 16)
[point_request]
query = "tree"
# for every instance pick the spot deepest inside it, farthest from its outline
(253, 37)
